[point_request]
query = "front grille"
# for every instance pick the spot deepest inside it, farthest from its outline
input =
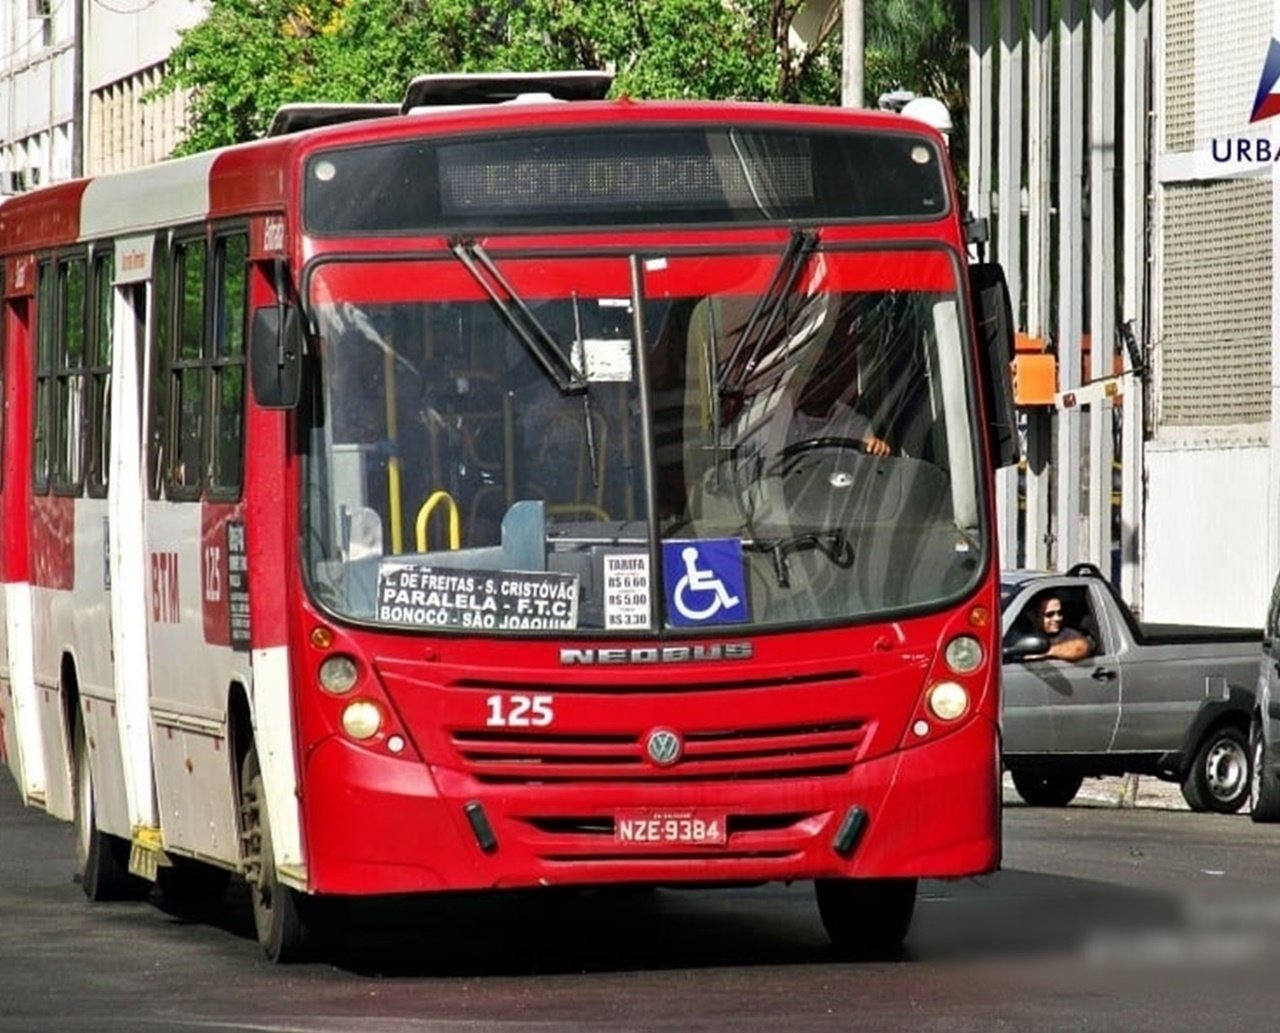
(784, 752)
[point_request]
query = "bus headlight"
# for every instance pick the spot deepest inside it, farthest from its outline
(963, 654)
(361, 719)
(948, 701)
(338, 674)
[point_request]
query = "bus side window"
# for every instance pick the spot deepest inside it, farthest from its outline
(98, 374)
(42, 424)
(67, 437)
(227, 364)
(187, 372)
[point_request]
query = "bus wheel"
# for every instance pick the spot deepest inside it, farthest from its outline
(102, 860)
(277, 911)
(867, 918)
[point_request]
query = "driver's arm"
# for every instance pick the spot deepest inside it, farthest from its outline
(876, 446)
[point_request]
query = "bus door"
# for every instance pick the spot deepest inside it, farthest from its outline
(21, 741)
(126, 526)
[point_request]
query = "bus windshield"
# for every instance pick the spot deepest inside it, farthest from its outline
(515, 443)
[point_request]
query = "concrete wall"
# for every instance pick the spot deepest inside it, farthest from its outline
(1207, 534)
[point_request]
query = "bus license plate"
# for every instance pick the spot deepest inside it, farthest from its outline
(664, 828)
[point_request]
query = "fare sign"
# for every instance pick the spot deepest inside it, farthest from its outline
(644, 827)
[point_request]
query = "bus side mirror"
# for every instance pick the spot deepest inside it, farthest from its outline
(993, 318)
(275, 350)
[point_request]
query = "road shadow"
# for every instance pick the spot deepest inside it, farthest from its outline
(1009, 915)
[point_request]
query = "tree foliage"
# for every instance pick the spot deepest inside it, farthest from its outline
(250, 56)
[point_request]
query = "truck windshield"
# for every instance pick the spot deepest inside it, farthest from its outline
(713, 453)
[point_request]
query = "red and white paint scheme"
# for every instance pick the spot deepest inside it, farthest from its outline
(494, 491)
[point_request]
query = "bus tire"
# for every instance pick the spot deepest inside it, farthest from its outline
(866, 918)
(102, 860)
(277, 909)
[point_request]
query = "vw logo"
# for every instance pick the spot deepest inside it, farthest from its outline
(663, 746)
(840, 479)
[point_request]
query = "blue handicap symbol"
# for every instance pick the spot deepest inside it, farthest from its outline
(705, 582)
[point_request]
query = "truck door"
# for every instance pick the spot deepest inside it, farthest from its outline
(1055, 706)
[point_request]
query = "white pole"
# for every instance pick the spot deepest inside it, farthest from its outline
(853, 44)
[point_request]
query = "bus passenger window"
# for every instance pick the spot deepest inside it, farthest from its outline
(227, 363)
(187, 382)
(69, 377)
(98, 375)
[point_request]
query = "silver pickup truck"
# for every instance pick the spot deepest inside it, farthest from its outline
(1165, 700)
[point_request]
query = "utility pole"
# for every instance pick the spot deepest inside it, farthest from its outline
(851, 65)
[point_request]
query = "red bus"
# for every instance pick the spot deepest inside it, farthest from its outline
(510, 489)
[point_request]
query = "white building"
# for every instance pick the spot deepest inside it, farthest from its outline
(1094, 127)
(73, 77)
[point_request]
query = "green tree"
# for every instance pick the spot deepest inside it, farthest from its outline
(250, 56)
(922, 46)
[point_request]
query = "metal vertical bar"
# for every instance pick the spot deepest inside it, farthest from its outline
(1070, 288)
(1039, 246)
(1102, 280)
(1137, 102)
(1009, 164)
(981, 147)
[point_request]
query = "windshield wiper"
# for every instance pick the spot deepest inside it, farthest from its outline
(519, 317)
(768, 308)
(833, 544)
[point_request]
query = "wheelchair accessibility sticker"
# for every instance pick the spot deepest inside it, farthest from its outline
(705, 582)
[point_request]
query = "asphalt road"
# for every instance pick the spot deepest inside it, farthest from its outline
(1147, 918)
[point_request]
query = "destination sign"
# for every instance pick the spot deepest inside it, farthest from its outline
(415, 595)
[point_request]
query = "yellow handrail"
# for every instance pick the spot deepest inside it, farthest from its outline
(436, 498)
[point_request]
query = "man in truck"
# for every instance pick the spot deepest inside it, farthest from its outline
(1065, 642)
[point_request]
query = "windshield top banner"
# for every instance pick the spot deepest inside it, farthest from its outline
(624, 176)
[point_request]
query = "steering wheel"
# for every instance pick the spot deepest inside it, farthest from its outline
(791, 453)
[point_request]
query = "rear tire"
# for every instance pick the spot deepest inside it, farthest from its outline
(1218, 780)
(277, 909)
(1046, 790)
(1264, 796)
(102, 860)
(867, 918)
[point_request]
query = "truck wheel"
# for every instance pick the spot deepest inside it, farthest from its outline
(1047, 790)
(866, 918)
(1219, 777)
(1264, 796)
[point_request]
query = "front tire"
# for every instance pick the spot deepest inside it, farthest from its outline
(1264, 796)
(867, 918)
(1046, 789)
(277, 909)
(1218, 780)
(102, 860)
